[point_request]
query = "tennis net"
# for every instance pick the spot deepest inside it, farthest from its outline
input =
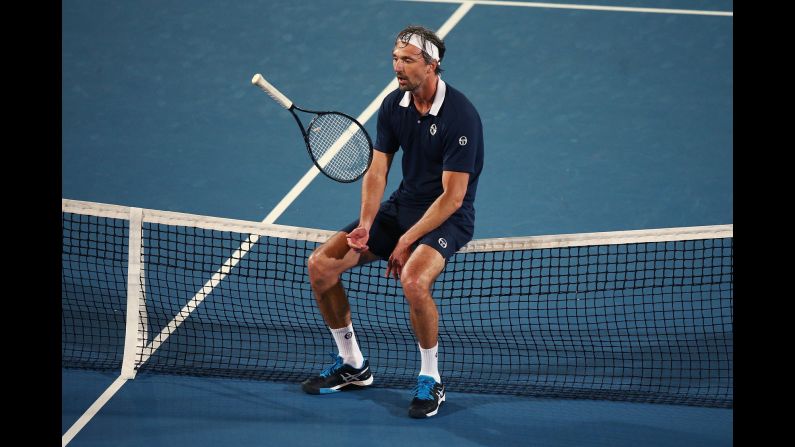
(643, 316)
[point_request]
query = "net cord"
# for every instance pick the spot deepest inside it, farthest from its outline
(478, 245)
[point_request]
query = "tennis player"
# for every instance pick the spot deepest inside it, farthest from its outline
(422, 224)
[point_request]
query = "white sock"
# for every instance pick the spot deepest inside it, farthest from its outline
(348, 348)
(430, 362)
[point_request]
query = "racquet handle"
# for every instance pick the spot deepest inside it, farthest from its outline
(277, 96)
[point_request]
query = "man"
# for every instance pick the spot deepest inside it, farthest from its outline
(422, 224)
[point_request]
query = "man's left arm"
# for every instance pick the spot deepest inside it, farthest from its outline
(454, 185)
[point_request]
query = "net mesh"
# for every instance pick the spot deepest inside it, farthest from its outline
(339, 146)
(620, 317)
(93, 290)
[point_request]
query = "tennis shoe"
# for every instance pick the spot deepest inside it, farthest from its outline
(428, 397)
(337, 376)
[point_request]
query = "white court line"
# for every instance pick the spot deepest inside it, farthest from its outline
(92, 410)
(585, 7)
(244, 248)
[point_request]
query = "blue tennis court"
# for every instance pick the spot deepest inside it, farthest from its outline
(595, 119)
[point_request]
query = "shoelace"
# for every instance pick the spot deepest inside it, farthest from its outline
(424, 387)
(332, 368)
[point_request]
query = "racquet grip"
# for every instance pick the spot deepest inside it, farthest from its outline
(277, 96)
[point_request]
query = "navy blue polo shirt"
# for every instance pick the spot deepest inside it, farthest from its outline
(448, 138)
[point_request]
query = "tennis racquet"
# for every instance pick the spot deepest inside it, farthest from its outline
(337, 144)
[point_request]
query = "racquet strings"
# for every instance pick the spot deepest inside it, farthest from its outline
(339, 146)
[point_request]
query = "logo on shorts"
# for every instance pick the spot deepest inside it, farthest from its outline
(433, 129)
(462, 141)
(348, 335)
(442, 242)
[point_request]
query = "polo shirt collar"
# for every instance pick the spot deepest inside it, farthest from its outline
(441, 89)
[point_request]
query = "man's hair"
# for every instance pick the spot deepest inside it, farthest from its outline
(425, 35)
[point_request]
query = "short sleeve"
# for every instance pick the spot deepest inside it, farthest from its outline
(462, 142)
(386, 140)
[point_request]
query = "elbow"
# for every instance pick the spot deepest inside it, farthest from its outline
(374, 177)
(456, 202)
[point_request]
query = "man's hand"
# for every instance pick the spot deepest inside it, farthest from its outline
(357, 239)
(398, 258)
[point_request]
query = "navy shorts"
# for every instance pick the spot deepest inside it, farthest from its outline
(393, 220)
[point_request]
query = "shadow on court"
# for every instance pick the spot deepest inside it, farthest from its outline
(248, 412)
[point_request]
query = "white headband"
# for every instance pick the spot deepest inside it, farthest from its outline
(430, 48)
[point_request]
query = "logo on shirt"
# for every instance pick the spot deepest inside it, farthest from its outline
(462, 141)
(348, 335)
(442, 242)
(433, 129)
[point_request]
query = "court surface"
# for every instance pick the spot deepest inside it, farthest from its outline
(594, 120)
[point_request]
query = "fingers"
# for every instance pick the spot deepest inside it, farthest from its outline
(359, 248)
(357, 240)
(394, 267)
(397, 259)
(356, 246)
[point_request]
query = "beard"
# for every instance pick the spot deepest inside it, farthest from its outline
(407, 86)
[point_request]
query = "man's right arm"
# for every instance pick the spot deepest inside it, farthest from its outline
(373, 187)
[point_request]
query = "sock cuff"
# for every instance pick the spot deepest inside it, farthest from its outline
(342, 330)
(434, 347)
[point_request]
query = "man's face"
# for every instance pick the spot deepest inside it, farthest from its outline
(410, 67)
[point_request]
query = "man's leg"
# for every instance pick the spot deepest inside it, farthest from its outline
(417, 278)
(326, 264)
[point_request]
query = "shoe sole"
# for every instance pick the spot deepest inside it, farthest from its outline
(358, 383)
(427, 415)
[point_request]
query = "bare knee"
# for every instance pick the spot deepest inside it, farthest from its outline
(321, 274)
(418, 276)
(416, 289)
